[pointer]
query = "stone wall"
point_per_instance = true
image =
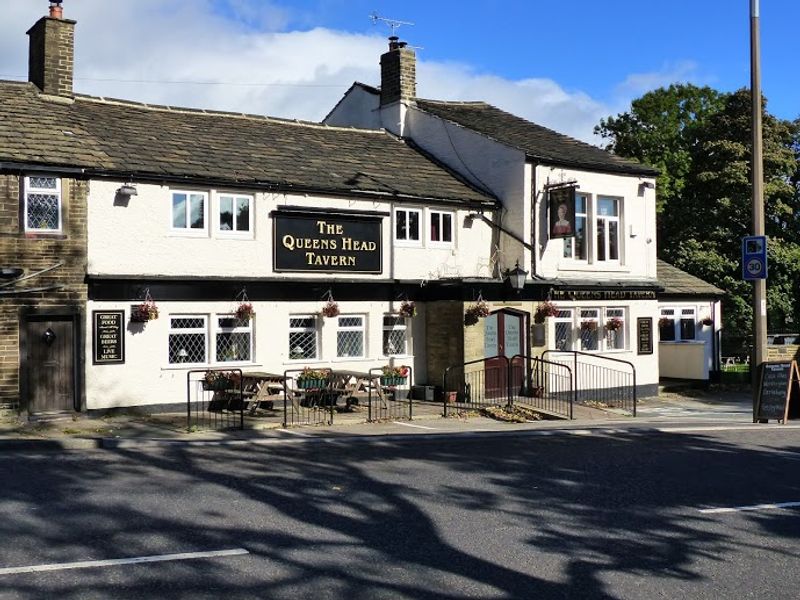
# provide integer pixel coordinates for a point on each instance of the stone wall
(783, 352)
(34, 252)
(444, 341)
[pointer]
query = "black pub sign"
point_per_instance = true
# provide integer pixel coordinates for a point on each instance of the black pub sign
(108, 335)
(327, 243)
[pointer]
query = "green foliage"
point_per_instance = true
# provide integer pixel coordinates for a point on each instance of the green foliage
(700, 139)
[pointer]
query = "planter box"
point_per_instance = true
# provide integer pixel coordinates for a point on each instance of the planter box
(220, 384)
(308, 384)
(387, 381)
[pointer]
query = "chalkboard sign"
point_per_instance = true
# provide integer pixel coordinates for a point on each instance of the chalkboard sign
(644, 335)
(108, 334)
(777, 382)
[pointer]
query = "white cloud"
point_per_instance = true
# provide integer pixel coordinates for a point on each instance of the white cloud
(124, 48)
(636, 84)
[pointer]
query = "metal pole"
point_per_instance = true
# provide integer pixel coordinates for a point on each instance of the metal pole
(759, 285)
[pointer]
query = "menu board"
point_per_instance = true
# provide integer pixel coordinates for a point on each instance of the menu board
(778, 382)
(644, 335)
(108, 335)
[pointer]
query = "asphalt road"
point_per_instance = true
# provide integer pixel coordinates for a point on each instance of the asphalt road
(569, 515)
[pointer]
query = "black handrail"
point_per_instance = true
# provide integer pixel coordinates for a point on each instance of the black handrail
(375, 373)
(539, 363)
(189, 394)
(461, 366)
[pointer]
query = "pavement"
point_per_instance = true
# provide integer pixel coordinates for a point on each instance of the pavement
(716, 405)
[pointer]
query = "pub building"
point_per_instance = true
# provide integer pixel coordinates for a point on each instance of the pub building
(133, 233)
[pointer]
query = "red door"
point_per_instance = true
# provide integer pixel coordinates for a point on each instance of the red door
(504, 337)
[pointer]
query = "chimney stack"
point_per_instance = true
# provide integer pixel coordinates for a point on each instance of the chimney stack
(398, 73)
(51, 53)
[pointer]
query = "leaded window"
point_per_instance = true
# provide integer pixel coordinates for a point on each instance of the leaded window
(564, 330)
(590, 325)
(350, 336)
(615, 328)
(303, 337)
(395, 335)
(234, 339)
(188, 339)
(42, 204)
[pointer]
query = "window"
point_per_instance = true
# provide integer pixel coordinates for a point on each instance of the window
(677, 324)
(303, 337)
(42, 204)
(441, 224)
(233, 339)
(407, 225)
(607, 228)
(235, 214)
(188, 339)
(615, 337)
(350, 336)
(395, 335)
(564, 329)
(590, 329)
(189, 211)
(576, 247)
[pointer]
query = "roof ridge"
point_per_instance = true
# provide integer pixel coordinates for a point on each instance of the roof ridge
(218, 113)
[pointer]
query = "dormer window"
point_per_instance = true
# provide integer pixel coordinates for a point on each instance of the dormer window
(42, 199)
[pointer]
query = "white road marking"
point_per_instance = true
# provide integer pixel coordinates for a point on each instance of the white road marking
(413, 425)
(751, 427)
(293, 432)
(86, 564)
(777, 505)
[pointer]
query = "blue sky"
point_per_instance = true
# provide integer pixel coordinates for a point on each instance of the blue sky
(562, 64)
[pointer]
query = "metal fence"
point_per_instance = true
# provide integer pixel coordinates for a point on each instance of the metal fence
(312, 404)
(541, 384)
(391, 399)
(214, 399)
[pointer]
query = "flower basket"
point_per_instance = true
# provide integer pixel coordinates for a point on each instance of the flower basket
(543, 310)
(665, 322)
(393, 381)
(331, 309)
(588, 325)
(394, 375)
(614, 324)
(479, 310)
(310, 384)
(144, 312)
(408, 309)
(707, 322)
(220, 380)
(312, 379)
(245, 311)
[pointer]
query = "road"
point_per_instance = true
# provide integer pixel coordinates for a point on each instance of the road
(587, 514)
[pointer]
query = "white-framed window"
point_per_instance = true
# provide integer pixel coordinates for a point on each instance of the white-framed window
(351, 336)
(233, 339)
(441, 227)
(408, 226)
(189, 212)
(235, 215)
(564, 329)
(590, 329)
(577, 247)
(188, 339)
(395, 335)
(677, 324)
(615, 337)
(303, 337)
(42, 199)
(607, 225)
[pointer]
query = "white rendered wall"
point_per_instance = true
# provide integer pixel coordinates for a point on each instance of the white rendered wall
(637, 227)
(147, 378)
(136, 239)
(358, 108)
(695, 358)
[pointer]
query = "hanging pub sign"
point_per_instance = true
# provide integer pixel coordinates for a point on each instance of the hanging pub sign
(108, 336)
(561, 202)
(327, 243)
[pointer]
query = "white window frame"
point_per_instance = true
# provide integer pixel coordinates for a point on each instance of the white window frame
(677, 314)
(29, 189)
(233, 233)
(400, 324)
(217, 329)
(315, 330)
(362, 329)
(203, 330)
(608, 315)
(189, 231)
(407, 241)
(566, 315)
(569, 243)
(429, 228)
(606, 238)
(573, 315)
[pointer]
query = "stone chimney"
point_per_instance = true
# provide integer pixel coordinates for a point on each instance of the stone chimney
(50, 58)
(398, 73)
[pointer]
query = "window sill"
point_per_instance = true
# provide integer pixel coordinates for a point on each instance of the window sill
(200, 366)
(189, 234)
(50, 235)
(227, 235)
(408, 244)
(681, 342)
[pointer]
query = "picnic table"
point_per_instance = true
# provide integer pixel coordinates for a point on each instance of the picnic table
(261, 389)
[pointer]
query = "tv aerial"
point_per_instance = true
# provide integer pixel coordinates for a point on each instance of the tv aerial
(393, 23)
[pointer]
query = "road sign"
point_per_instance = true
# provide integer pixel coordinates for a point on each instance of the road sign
(754, 257)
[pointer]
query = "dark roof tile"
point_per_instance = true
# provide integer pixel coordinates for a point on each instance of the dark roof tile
(680, 283)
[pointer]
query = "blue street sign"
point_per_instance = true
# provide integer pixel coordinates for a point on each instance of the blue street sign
(754, 257)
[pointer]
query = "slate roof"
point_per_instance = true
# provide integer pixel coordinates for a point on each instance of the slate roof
(128, 139)
(539, 143)
(680, 283)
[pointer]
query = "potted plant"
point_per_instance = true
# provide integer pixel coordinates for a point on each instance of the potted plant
(144, 312)
(614, 324)
(408, 308)
(707, 321)
(220, 380)
(543, 310)
(245, 311)
(331, 308)
(394, 375)
(474, 312)
(312, 378)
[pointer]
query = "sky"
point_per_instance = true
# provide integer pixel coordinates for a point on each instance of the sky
(565, 65)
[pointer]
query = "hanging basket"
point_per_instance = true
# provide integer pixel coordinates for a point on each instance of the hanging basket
(331, 309)
(144, 312)
(543, 310)
(245, 311)
(475, 312)
(407, 309)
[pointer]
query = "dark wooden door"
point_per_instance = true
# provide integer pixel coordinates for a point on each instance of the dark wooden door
(504, 335)
(50, 364)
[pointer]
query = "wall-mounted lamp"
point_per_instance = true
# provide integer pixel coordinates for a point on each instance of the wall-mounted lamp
(127, 190)
(516, 277)
(646, 185)
(11, 272)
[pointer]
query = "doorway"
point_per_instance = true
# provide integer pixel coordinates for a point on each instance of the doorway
(49, 360)
(504, 336)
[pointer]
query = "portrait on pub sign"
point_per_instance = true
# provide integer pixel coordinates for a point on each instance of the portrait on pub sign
(562, 212)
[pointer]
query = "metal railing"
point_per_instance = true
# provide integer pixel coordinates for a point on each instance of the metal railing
(475, 384)
(541, 384)
(392, 401)
(211, 405)
(312, 405)
(601, 384)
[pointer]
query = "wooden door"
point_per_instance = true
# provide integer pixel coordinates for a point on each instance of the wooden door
(504, 335)
(50, 364)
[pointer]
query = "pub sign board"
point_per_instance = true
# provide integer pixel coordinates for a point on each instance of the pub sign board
(327, 243)
(644, 335)
(562, 212)
(108, 336)
(777, 387)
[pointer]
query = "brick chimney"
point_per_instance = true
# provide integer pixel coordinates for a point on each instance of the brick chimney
(398, 73)
(50, 58)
